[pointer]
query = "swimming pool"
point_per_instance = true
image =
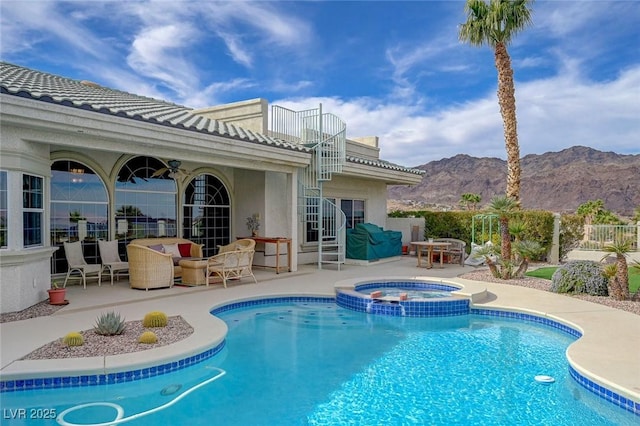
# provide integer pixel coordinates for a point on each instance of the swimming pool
(384, 297)
(317, 363)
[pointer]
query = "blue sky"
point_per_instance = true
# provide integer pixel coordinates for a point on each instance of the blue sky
(392, 69)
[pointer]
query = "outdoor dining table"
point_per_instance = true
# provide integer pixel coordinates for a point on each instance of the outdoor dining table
(430, 246)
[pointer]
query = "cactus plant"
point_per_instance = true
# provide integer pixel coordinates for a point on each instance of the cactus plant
(110, 324)
(148, 337)
(155, 319)
(73, 339)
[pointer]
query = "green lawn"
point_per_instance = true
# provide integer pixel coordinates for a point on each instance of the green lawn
(547, 272)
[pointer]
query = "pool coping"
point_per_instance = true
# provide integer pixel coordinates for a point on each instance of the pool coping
(210, 329)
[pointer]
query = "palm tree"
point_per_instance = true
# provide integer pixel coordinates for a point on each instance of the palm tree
(504, 207)
(620, 282)
(494, 24)
(470, 200)
(590, 210)
(527, 250)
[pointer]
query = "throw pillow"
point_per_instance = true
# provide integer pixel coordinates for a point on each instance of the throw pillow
(173, 249)
(185, 249)
(157, 247)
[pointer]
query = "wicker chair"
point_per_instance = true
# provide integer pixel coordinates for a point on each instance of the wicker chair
(76, 262)
(242, 244)
(149, 268)
(232, 263)
(111, 259)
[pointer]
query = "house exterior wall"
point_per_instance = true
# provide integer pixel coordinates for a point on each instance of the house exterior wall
(363, 147)
(24, 272)
(260, 173)
(374, 193)
(251, 114)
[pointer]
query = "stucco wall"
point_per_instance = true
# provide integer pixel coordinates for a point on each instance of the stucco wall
(24, 279)
(374, 193)
(24, 272)
(405, 225)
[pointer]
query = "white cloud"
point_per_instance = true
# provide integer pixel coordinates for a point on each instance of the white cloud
(169, 45)
(553, 114)
(156, 53)
(26, 24)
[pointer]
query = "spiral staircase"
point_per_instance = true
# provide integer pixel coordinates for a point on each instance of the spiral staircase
(325, 134)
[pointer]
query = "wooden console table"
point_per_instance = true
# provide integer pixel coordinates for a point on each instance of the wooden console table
(277, 241)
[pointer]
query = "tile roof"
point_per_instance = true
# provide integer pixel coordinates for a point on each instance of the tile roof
(384, 165)
(28, 83)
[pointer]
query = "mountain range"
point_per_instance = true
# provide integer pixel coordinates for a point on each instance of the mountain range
(554, 181)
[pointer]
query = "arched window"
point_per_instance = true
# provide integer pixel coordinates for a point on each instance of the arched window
(145, 206)
(207, 213)
(79, 205)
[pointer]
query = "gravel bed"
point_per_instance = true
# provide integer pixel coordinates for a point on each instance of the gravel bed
(38, 310)
(632, 306)
(97, 345)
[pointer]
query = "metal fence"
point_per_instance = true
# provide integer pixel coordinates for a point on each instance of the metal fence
(597, 237)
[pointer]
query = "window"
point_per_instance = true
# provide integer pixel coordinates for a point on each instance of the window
(79, 205)
(207, 213)
(354, 211)
(146, 205)
(4, 234)
(32, 210)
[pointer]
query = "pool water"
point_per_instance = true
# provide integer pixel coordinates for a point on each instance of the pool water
(411, 293)
(319, 364)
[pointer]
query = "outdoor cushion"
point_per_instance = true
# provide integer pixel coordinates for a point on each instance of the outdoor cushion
(172, 249)
(185, 249)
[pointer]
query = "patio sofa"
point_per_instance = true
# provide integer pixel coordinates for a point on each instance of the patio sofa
(155, 262)
(367, 241)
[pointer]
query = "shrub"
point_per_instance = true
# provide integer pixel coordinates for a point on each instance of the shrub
(73, 339)
(581, 276)
(109, 324)
(155, 319)
(571, 232)
(148, 337)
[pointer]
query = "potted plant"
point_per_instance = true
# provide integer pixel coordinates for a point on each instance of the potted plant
(57, 294)
(253, 224)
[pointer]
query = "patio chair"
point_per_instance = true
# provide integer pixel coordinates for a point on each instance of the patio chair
(111, 259)
(233, 264)
(75, 259)
(241, 244)
(149, 268)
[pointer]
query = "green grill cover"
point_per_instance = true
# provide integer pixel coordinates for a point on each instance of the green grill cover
(370, 242)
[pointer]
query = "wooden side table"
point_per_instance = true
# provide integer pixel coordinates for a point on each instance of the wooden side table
(277, 241)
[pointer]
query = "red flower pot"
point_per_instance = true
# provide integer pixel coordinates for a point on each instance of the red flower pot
(57, 296)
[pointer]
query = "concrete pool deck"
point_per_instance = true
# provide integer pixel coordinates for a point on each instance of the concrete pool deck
(608, 353)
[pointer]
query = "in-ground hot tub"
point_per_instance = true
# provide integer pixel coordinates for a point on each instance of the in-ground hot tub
(402, 297)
